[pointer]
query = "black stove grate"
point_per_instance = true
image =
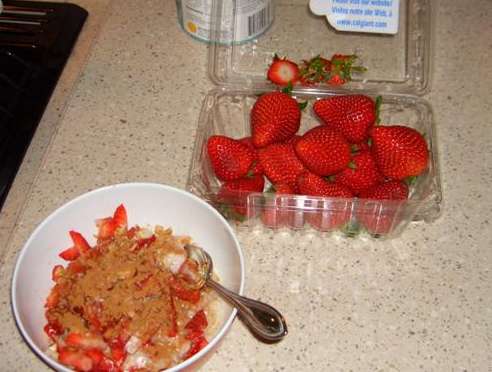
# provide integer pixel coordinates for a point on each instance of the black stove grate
(36, 39)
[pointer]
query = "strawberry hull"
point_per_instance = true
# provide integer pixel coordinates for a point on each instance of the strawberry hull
(227, 112)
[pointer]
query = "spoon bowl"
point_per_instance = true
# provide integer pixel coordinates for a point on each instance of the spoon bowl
(264, 321)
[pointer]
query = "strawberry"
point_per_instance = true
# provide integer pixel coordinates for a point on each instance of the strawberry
(353, 115)
(324, 215)
(400, 151)
(120, 217)
(84, 341)
(275, 213)
(106, 228)
(76, 359)
(236, 192)
(275, 117)
(361, 173)
(311, 184)
(57, 272)
(197, 344)
(323, 151)
(80, 246)
(256, 167)
(230, 158)
(280, 164)
(376, 217)
(198, 322)
(79, 242)
(282, 71)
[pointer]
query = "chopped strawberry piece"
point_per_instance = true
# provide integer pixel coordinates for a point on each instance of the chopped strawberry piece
(132, 231)
(199, 321)
(96, 355)
(183, 293)
(79, 242)
(53, 329)
(53, 298)
(120, 216)
(107, 227)
(84, 341)
(107, 365)
(118, 353)
(196, 345)
(142, 243)
(70, 254)
(76, 267)
(76, 359)
(57, 272)
(173, 330)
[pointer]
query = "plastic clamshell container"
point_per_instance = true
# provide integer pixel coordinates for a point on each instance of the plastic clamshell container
(398, 71)
(226, 112)
(395, 63)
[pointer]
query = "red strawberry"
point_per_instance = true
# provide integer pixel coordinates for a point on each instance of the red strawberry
(57, 272)
(352, 115)
(313, 185)
(230, 158)
(380, 217)
(84, 341)
(329, 214)
(275, 117)
(280, 164)
(256, 167)
(76, 359)
(361, 173)
(236, 192)
(276, 212)
(106, 228)
(79, 247)
(120, 217)
(399, 151)
(79, 242)
(323, 150)
(282, 71)
(198, 322)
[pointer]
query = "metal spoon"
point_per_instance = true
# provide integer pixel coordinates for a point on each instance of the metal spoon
(265, 322)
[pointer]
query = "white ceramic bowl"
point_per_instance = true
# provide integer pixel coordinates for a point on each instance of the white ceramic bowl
(146, 203)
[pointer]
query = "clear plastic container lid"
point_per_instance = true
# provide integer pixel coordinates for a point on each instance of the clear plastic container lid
(396, 63)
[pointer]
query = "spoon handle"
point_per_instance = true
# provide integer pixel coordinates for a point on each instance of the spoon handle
(263, 320)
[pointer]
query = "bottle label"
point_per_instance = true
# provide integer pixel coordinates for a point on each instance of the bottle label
(374, 16)
(240, 20)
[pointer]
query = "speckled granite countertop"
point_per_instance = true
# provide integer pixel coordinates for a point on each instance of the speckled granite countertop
(419, 302)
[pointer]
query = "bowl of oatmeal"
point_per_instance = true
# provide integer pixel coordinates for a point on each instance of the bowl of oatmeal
(102, 283)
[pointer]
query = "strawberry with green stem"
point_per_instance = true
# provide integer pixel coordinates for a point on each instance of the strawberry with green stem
(400, 152)
(230, 159)
(323, 151)
(352, 115)
(275, 117)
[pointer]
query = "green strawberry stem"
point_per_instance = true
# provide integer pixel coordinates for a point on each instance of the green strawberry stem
(288, 89)
(411, 181)
(303, 105)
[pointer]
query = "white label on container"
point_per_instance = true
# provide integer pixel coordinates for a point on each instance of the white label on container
(251, 17)
(376, 16)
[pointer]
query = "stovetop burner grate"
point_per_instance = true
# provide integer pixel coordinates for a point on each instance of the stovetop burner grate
(36, 39)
